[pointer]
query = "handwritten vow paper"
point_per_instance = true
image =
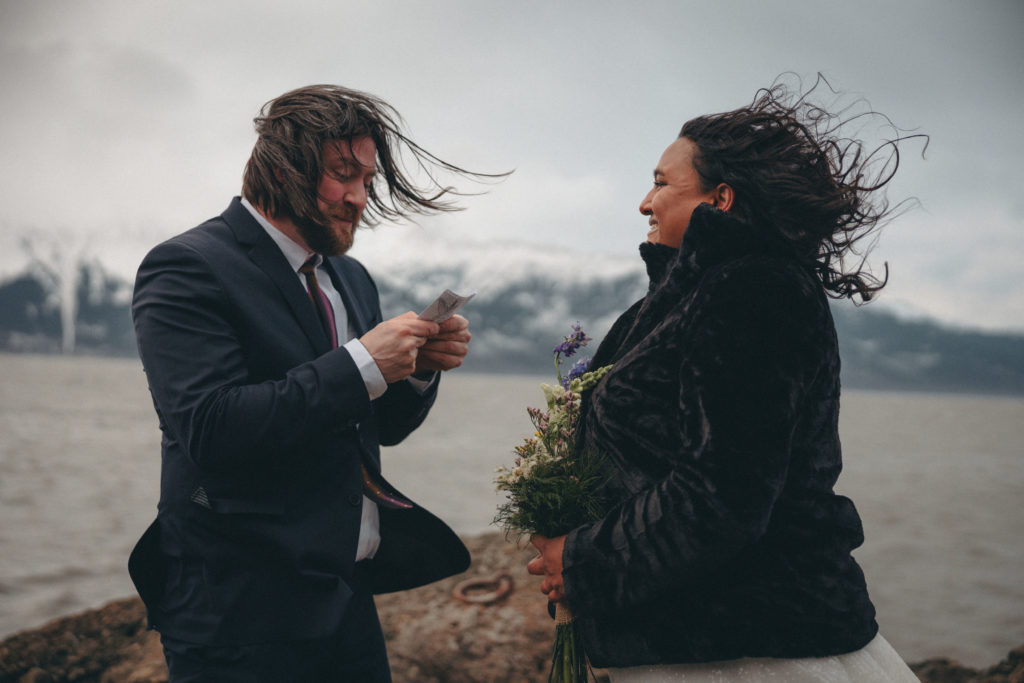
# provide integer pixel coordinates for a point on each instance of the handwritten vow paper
(445, 306)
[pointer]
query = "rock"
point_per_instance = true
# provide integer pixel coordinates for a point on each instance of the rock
(106, 645)
(432, 636)
(942, 670)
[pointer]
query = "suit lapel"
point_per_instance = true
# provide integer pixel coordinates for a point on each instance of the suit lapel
(357, 323)
(268, 257)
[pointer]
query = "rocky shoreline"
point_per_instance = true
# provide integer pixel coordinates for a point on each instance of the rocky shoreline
(433, 637)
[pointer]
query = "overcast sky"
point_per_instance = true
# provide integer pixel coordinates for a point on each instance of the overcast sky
(127, 122)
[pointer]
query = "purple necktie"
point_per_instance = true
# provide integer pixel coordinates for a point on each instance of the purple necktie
(324, 311)
(375, 488)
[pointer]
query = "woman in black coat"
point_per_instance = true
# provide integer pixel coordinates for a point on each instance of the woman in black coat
(727, 553)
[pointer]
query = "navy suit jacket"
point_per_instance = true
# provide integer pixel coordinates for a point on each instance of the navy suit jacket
(264, 428)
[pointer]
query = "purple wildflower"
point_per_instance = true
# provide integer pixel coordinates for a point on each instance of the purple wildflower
(569, 346)
(577, 370)
(572, 343)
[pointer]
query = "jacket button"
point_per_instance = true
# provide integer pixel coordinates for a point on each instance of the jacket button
(355, 499)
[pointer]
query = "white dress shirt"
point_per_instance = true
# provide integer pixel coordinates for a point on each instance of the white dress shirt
(297, 255)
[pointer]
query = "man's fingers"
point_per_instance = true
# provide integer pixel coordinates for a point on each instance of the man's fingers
(437, 362)
(462, 336)
(455, 323)
(421, 328)
(451, 348)
(446, 349)
(394, 344)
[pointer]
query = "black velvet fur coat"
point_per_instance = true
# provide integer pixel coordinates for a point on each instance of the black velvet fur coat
(719, 425)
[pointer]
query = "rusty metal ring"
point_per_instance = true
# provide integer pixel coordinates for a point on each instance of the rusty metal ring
(497, 588)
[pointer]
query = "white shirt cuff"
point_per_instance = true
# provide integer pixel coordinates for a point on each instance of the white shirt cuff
(421, 385)
(372, 378)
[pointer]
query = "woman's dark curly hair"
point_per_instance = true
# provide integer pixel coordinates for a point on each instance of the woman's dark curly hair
(286, 164)
(792, 170)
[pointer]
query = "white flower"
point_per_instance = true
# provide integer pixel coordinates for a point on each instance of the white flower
(552, 394)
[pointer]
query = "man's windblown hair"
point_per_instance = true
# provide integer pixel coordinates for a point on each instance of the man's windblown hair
(286, 165)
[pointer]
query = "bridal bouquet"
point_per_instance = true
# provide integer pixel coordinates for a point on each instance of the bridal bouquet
(553, 487)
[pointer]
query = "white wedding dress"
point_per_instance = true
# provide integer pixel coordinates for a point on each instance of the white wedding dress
(876, 662)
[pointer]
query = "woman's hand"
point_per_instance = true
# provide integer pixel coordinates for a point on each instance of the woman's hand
(549, 565)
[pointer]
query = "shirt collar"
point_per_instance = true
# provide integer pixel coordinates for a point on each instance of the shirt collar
(294, 253)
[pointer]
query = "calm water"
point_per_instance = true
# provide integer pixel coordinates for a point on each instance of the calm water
(938, 480)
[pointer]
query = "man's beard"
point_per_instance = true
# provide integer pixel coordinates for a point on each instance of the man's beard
(321, 238)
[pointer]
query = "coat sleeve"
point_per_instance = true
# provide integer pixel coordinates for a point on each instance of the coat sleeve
(402, 408)
(751, 348)
(187, 329)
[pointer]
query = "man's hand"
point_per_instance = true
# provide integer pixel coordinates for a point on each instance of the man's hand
(446, 349)
(395, 344)
(549, 565)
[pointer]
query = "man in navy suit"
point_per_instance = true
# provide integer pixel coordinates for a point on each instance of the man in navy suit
(276, 380)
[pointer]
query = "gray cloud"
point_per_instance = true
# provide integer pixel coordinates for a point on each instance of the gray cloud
(132, 121)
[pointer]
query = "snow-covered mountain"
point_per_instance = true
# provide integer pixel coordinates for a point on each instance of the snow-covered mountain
(528, 296)
(526, 299)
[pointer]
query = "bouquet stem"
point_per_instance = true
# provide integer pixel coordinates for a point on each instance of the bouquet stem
(568, 660)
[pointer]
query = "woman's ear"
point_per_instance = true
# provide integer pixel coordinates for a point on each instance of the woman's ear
(723, 197)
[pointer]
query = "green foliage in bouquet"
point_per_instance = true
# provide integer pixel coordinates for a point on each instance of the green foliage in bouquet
(554, 487)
